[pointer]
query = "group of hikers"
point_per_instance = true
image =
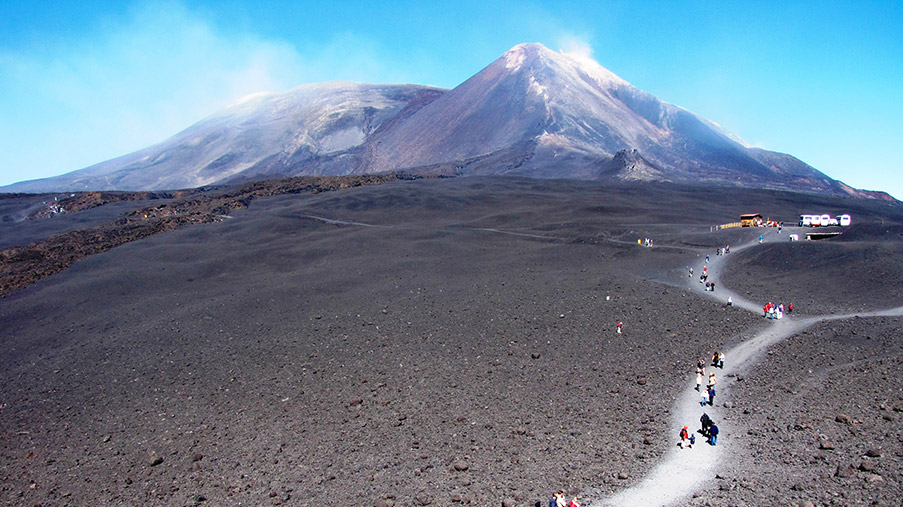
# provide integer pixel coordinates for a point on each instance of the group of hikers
(707, 397)
(558, 499)
(772, 311)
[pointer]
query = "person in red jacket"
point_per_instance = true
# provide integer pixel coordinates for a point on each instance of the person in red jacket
(684, 435)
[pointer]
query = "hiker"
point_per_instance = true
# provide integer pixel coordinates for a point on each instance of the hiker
(691, 271)
(713, 434)
(703, 398)
(721, 360)
(698, 379)
(715, 360)
(707, 285)
(730, 301)
(711, 388)
(713, 286)
(619, 327)
(706, 423)
(561, 501)
(790, 308)
(700, 366)
(574, 503)
(692, 440)
(761, 238)
(706, 259)
(684, 436)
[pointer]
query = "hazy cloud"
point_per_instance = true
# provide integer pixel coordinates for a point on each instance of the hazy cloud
(138, 79)
(570, 43)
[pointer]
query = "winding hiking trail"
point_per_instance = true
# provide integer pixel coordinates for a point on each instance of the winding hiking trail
(683, 472)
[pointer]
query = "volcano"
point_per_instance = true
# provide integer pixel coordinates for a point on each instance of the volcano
(533, 112)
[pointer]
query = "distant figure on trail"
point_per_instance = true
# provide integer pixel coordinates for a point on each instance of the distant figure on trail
(691, 272)
(715, 360)
(711, 388)
(790, 308)
(703, 398)
(713, 287)
(713, 434)
(698, 379)
(730, 301)
(706, 423)
(700, 366)
(706, 259)
(684, 436)
(761, 238)
(574, 503)
(708, 285)
(619, 327)
(721, 360)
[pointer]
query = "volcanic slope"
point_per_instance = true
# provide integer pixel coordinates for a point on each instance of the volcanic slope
(425, 341)
(532, 112)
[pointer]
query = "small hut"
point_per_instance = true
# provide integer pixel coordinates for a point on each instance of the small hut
(751, 220)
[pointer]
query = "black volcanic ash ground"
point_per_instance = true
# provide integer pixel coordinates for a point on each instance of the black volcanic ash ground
(435, 357)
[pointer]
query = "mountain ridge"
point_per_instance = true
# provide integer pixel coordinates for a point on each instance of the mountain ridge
(531, 112)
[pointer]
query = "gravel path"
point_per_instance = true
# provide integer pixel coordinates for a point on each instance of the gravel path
(682, 472)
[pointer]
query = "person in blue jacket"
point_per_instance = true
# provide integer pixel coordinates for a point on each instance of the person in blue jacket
(713, 434)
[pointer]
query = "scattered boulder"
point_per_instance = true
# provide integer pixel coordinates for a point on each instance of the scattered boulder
(508, 502)
(623, 476)
(423, 499)
(867, 466)
(154, 459)
(844, 471)
(873, 453)
(843, 419)
(385, 503)
(460, 466)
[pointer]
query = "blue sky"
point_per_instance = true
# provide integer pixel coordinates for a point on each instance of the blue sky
(83, 82)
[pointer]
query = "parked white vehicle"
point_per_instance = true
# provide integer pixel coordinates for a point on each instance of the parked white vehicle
(824, 220)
